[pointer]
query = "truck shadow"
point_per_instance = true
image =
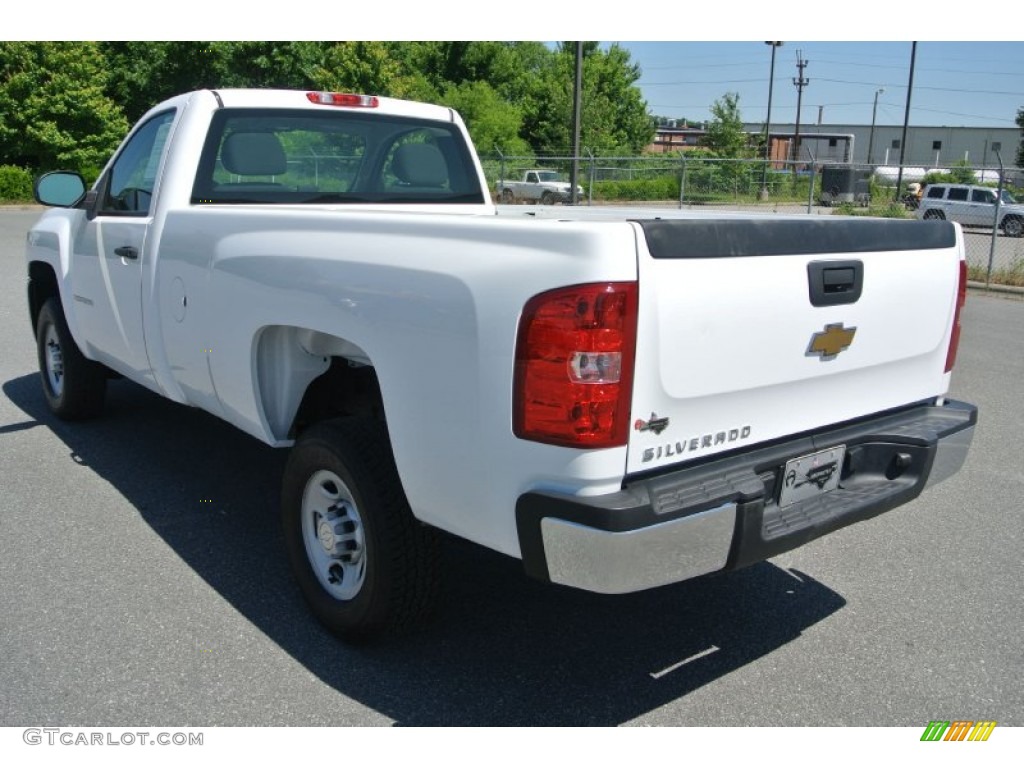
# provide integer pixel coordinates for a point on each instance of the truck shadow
(505, 650)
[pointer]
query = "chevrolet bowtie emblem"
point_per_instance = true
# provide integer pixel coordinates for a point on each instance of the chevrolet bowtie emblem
(830, 342)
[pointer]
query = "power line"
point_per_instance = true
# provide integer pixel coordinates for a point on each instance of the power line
(919, 69)
(832, 105)
(894, 86)
(702, 64)
(702, 82)
(924, 87)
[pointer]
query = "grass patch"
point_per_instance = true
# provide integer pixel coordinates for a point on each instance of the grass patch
(1013, 275)
(888, 210)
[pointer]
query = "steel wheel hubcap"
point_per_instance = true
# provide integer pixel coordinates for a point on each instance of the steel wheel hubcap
(54, 362)
(333, 534)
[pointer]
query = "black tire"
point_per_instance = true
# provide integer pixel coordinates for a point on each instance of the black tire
(74, 386)
(1013, 226)
(375, 570)
(547, 198)
(933, 214)
(507, 197)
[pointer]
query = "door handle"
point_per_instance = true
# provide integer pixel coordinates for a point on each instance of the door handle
(127, 252)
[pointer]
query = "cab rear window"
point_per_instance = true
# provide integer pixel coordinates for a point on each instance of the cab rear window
(306, 157)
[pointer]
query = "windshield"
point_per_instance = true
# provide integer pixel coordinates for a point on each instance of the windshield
(1007, 198)
(548, 176)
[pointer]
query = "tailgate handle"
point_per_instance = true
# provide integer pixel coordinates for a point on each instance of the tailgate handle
(838, 280)
(831, 283)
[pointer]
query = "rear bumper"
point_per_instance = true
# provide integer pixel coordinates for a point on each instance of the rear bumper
(723, 514)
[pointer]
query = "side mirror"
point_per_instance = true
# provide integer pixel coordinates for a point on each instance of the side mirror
(63, 189)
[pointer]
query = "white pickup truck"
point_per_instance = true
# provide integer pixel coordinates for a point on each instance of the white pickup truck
(619, 399)
(538, 186)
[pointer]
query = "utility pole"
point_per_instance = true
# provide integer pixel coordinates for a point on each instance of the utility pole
(800, 82)
(577, 112)
(906, 121)
(768, 121)
(871, 136)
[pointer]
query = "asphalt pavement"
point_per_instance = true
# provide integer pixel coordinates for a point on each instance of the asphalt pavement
(143, 582)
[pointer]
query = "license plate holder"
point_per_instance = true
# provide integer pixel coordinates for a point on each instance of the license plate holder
(812, 475)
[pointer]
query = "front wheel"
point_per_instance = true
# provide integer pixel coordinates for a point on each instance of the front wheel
(364, 564)
(73, 385)
(933, 214)
(548, 198)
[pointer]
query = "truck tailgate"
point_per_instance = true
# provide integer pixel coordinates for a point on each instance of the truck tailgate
(755, 329)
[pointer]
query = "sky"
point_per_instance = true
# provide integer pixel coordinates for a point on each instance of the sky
(955, 83)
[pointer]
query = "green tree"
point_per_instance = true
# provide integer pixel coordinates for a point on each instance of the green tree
(142, 74)
(1020, 147)
(70, 103)
(368, 67)
(615, 116)
(273, 65)
(727, 141)
(54, 111)
(614, 106)
(962, 172)
(725, 135)
(492, 122)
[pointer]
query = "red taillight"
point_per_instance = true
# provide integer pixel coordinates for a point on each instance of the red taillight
(954, 337)
(342, 99)
(574, 366)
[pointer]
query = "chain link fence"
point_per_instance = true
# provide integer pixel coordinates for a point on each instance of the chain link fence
(702, 183)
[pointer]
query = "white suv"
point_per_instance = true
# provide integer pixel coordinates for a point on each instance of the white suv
(972, 206)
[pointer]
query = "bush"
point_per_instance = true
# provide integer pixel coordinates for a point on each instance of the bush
(659, 188)
(15, 184)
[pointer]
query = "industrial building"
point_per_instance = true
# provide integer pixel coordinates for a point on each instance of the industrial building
(927, 146)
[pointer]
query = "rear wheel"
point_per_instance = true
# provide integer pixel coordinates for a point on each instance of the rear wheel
(364, 564)
(933, 214)
(1013, 226)
(507, 196)
(73, 385)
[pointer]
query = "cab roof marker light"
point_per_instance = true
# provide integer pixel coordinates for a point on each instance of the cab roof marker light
(342, 99)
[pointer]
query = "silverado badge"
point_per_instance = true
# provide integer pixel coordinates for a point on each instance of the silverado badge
(829, 343)
(655, 425)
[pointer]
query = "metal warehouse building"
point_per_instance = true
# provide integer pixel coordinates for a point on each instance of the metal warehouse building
(927, 146)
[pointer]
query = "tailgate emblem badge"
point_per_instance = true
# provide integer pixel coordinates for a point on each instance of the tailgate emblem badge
(655, 425)
(829, 343)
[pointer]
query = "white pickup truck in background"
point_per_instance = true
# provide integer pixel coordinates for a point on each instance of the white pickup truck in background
(538, 186)
(619, 399)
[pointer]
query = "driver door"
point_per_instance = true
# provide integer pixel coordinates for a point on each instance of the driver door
(107, 261)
